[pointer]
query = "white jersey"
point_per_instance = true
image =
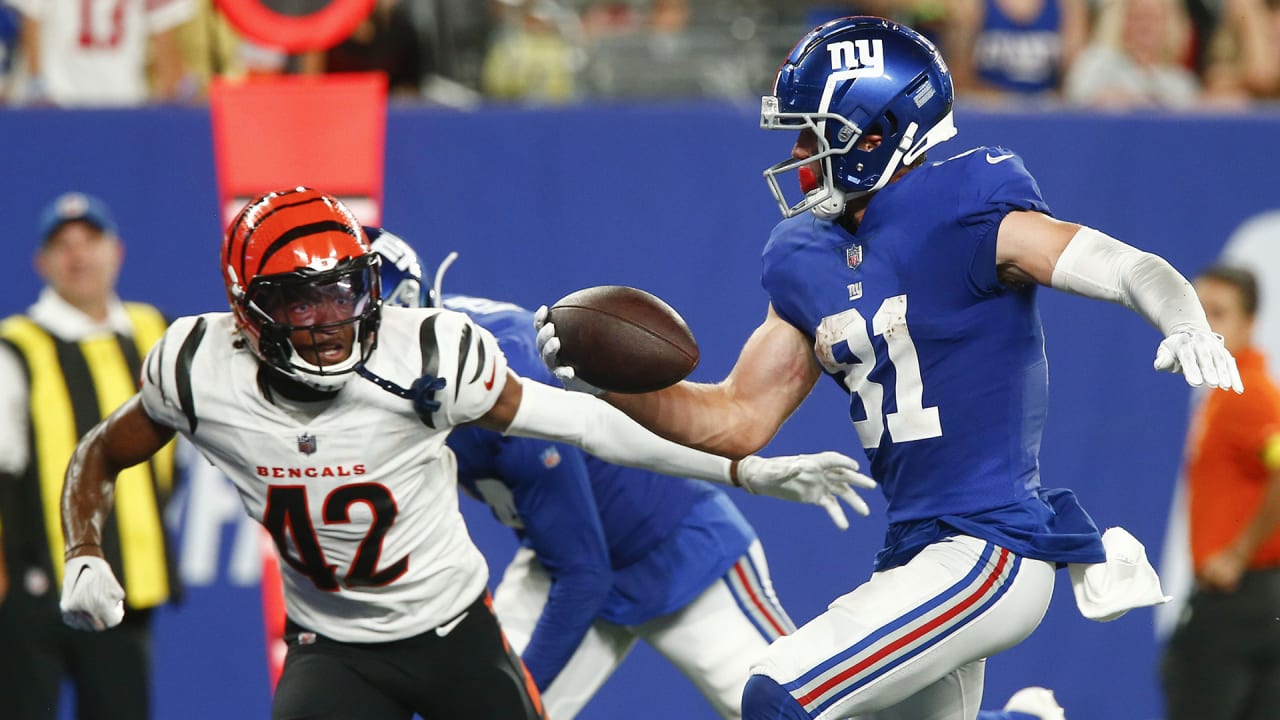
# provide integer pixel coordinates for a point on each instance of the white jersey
(94, 52)
(361, 497)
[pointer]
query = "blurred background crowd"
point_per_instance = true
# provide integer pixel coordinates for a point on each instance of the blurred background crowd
(1108, 54)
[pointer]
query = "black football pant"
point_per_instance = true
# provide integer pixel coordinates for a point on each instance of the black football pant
(470, 673)
(1223, 661)
(109, 670)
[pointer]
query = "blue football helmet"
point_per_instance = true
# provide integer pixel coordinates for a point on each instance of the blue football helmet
(403, 277)
(848, 78)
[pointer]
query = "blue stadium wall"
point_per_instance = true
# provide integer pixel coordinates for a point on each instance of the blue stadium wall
(670, 199)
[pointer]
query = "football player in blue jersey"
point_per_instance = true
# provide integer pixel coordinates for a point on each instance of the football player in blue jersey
(913, 284)
(609, 555)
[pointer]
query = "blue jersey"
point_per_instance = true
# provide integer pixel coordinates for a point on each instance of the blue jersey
(622, 544)
(1022, 57)
(944, 364)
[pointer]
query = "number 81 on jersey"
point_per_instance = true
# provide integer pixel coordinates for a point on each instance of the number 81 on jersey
(843, 345)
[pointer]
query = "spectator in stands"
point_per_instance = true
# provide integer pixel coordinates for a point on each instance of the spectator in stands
(614, 17)
(1242, 57)
(1134, 58)
(65, 364)
(210, 47)
(386, 42)
(1003, 49)
(1223, 660)
(533, 57)
(83, 53)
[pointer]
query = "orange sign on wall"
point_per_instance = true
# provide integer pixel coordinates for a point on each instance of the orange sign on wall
(326, 132)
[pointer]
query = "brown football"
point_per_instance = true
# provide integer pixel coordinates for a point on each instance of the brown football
(622, 339)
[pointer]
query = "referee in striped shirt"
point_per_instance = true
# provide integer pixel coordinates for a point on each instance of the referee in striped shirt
(65, 364)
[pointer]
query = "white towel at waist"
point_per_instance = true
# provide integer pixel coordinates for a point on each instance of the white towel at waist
(1105, 591)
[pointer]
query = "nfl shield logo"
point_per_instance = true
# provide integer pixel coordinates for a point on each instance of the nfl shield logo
(306, 443)
(854, 255)
(550, 457)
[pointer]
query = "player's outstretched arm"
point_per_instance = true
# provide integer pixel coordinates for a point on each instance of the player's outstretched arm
(775, 372)
(1077, 259)
(531, 409)
(92, 598)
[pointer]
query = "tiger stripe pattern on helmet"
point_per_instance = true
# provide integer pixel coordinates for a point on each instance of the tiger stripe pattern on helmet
(285, 218)
(295, 236)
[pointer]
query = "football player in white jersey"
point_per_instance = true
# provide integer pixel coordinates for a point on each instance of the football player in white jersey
(329, 413)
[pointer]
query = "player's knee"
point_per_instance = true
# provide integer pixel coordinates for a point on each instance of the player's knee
(764, 699)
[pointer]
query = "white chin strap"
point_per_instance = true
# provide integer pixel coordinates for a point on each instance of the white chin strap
(323, 383)
(334, 377)
(832, 206)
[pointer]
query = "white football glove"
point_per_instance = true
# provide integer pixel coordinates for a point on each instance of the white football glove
(92, 599)
(548, 346)
(818, 479)
(1201, 357)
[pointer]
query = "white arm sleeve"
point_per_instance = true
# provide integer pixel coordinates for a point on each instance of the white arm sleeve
(604, 431)
(1098, 266)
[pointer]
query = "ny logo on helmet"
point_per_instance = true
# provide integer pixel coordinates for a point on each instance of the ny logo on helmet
(864, 56)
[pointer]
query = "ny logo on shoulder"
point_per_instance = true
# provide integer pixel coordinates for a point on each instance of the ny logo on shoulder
(864, 58)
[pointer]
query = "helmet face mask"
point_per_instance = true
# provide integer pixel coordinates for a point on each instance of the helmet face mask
(847, 80)
(304, 286)
(826, 195)
(305, 320)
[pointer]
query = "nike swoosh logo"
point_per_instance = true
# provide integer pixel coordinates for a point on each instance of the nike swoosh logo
(493, 375)
(448, 627)
(997, 159)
